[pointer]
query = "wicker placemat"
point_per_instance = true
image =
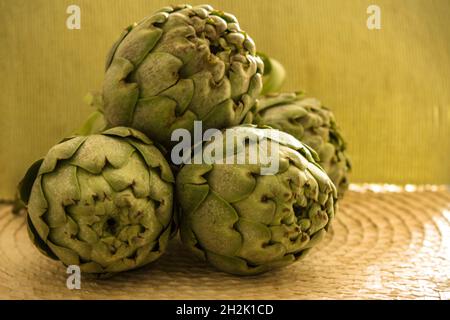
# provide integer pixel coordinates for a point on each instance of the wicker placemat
(386, 243)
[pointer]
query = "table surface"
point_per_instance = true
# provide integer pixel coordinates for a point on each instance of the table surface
(386, 242)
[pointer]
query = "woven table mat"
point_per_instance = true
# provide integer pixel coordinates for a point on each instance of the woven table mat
(386, 243)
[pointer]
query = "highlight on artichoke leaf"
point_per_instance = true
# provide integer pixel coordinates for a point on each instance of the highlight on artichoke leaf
(313, 124)
(246, 223)
(179, 65)
(103, 202)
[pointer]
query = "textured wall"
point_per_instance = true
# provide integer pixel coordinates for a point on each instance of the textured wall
(390, 88)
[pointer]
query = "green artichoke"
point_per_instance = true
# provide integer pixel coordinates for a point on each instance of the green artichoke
(179, 65)
(310, 122)
(103, 202)
(246, 223)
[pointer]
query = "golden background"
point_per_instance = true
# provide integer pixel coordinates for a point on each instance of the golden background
(389, 88)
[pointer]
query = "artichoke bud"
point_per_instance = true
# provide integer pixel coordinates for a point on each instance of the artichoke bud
(313, 124)
(180, 65)
(103, 202)
(246, 221)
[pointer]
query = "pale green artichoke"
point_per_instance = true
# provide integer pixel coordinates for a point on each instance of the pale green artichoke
(103, 202)
(246, 223)
(179, 65)
(313, 124)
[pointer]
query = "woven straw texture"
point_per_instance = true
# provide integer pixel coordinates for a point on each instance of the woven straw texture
(386, 243)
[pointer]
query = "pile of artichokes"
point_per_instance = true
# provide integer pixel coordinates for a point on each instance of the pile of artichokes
(109, 198)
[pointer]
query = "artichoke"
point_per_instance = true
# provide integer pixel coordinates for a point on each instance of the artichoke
(179, 65)
(103, 202)
(313, 124)
(246, 223)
